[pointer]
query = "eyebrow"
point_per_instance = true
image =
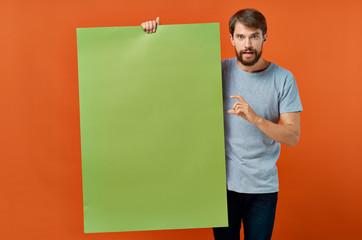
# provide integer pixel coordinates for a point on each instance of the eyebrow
(256, 33)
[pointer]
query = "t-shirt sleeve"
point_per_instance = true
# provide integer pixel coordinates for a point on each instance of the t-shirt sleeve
(290, 100)
(224, 63)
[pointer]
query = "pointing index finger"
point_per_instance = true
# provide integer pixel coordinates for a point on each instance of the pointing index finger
(237, 97)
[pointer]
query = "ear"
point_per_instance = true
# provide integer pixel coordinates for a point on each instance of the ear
(265, 37)
(232, 40)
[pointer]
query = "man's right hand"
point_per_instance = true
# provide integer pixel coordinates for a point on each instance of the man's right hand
(150, 26)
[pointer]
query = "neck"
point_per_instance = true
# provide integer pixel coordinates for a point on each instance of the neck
(259, 66)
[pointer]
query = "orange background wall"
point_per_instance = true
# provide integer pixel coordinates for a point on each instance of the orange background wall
(40, 180)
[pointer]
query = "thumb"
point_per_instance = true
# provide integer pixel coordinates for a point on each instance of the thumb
(158, 21)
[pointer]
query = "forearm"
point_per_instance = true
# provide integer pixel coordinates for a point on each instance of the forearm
(286, 133)
(282, 133)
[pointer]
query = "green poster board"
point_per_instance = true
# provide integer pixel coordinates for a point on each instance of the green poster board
(151, 119)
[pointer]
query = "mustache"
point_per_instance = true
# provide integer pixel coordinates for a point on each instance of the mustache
(248, 50)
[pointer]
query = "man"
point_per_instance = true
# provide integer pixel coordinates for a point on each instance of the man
(257, 95)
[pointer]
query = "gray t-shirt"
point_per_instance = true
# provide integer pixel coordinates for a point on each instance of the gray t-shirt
(251, 156)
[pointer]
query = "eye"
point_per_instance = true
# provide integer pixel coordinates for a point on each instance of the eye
(254, 36)
(240, 37)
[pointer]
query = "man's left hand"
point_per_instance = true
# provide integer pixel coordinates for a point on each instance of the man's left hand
(242, 109)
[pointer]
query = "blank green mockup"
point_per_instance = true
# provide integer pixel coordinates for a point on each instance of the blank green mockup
(152, 133)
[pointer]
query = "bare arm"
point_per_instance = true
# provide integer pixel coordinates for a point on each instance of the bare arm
(285, 133)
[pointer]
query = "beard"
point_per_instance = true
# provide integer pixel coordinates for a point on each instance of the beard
(251, 62)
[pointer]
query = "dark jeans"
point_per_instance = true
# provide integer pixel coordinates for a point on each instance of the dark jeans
(256, 211)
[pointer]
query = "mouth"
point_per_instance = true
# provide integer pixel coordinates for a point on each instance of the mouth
(248, 53)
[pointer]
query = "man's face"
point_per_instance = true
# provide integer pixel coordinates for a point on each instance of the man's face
(248, 43)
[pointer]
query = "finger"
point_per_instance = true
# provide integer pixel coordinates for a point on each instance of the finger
(237, 108)
(150, 30)
(239, 112)
(153, 26)
(237, 97)
(143, 26)
(158, 21)
(236, 104)
(232, 112)
(149, 26)
(146, 27)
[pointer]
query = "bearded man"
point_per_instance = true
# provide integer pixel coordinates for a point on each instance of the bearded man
(258, 95)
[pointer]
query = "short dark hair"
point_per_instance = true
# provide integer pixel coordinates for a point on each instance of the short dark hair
(249, 17)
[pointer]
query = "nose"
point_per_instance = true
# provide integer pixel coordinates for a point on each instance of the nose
(247, 43)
